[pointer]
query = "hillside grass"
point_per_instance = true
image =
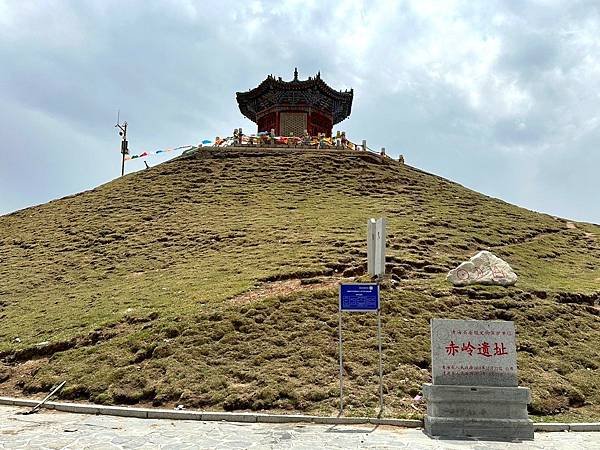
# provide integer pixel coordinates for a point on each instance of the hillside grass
(209, 281)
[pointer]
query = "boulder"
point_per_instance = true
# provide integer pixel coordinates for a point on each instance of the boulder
(483, 268)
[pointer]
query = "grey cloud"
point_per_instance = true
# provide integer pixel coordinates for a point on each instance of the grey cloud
(530, 52)
(516, 132)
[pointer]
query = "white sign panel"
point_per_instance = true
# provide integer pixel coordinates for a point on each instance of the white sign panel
(376, 247)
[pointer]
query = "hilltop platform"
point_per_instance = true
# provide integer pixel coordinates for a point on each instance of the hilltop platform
(285, 150)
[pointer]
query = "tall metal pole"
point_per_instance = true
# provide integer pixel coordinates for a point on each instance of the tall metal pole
(380, 362)
(341, 363)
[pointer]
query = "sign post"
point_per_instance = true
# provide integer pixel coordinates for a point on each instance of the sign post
(124, 148)
(380, 362)
(359, 297)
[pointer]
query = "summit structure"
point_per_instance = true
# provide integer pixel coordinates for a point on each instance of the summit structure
(295, 107)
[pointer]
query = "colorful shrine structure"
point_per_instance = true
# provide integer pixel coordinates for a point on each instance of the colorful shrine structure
(297, 107)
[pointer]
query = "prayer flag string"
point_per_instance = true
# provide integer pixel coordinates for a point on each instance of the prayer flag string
(158, 152)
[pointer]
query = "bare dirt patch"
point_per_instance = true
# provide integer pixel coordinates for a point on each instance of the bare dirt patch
(286, 287)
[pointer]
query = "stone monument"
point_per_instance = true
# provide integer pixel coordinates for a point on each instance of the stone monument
(475, 391)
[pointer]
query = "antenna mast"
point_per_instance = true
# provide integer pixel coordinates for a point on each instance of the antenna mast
(123, 134)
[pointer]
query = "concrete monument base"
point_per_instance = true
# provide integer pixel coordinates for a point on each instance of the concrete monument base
(484, 412)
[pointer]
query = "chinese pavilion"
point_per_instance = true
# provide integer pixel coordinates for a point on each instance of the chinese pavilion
(291, 107)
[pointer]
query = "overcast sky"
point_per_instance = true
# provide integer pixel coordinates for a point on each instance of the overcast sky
(502, 97)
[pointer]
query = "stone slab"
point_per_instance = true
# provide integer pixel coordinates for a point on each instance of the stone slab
(21, 402)
(280, 418)
(585, 427)
(486, 394)
(407, 423)
(78, 408)
(551, 426)
(485, 429)
(123, 411)
(477, 402)
(473, 352)
(341, 420)
(230, 417)
(174, 415)
(484, 412)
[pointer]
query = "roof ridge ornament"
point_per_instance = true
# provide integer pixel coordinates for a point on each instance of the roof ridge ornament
(295, 74)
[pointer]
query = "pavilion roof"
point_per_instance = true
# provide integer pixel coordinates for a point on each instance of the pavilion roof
(312, 92)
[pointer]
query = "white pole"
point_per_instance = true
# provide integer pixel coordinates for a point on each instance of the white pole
(341, 362)
(380, 362)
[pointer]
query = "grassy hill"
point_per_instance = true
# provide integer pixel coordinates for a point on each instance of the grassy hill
(211, 281)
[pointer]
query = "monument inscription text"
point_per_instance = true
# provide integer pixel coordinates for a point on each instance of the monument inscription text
(473, 352)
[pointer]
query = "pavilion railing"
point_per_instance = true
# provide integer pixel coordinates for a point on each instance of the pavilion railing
(338, 142)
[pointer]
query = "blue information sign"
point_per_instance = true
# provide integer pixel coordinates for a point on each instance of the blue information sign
(361, 297)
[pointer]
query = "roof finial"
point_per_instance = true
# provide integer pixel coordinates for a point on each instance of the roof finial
(319, 74)
(295, 74)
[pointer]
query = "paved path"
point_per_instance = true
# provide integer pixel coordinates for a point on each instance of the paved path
(58, 430)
